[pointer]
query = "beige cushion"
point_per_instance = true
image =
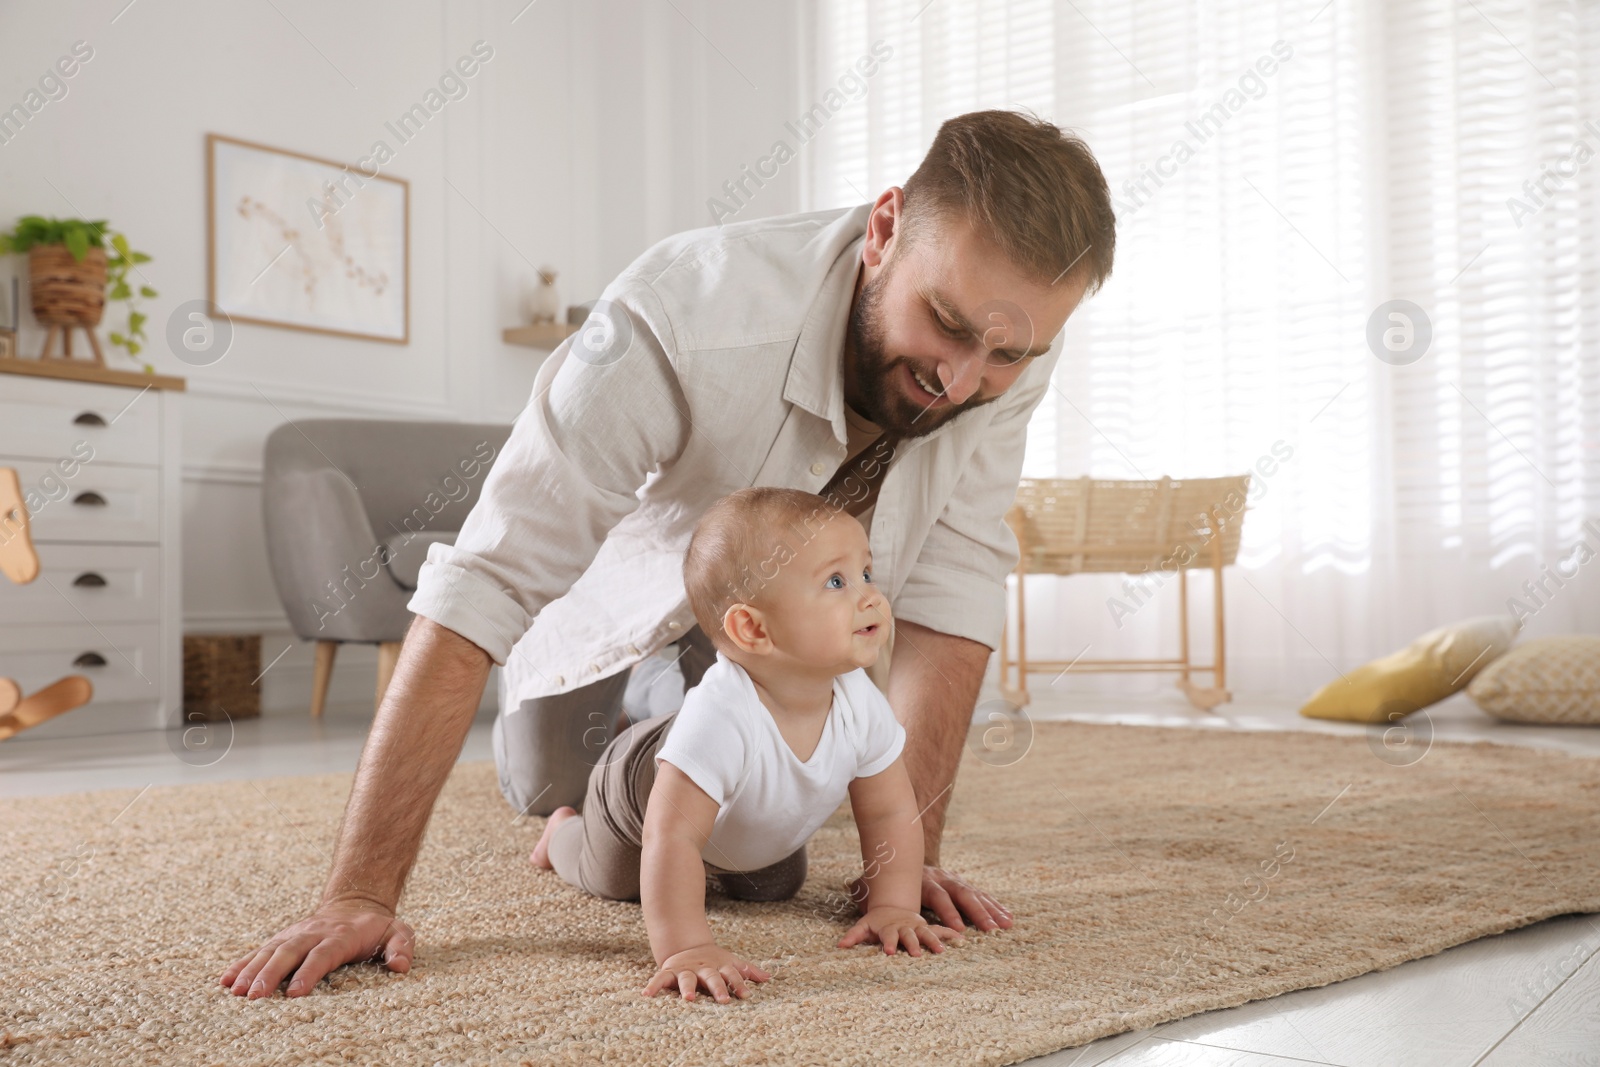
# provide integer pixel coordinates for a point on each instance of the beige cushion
(1438, 663)
(1549, 679)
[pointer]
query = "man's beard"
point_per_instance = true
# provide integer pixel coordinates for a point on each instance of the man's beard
(872, 377)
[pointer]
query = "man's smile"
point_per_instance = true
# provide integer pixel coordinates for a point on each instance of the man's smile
(925, 391)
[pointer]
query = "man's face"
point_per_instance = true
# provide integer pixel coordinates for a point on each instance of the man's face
(951, 311)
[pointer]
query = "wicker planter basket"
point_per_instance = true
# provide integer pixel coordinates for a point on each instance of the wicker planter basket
(218, 672)
(66, 292)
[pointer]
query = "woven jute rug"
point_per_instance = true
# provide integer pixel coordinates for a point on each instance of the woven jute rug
(1153, 873)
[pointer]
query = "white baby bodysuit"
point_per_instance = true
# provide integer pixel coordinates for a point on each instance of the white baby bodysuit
(770, 803)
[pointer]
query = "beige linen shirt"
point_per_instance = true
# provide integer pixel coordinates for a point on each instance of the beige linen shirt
(569, 568)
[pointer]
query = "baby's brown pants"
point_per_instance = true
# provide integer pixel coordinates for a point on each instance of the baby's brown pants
(600, 850)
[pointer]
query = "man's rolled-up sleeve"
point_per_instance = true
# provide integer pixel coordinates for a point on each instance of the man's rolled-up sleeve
(957, 584)
(594, 430)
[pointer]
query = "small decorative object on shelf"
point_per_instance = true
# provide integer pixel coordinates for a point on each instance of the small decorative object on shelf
(68, 270)
(544, 300)
(546, 335)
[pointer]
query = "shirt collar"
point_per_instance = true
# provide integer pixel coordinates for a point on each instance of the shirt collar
(816, 373)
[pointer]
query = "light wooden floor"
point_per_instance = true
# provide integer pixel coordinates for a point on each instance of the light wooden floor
(1524, 998)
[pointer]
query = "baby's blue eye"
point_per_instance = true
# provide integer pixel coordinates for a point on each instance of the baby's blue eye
(867, 574)
(832, 577)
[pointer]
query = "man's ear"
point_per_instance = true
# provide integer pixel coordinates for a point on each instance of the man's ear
(746, 628)
(883, 226)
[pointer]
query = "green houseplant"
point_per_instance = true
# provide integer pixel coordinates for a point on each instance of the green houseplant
(73, 292)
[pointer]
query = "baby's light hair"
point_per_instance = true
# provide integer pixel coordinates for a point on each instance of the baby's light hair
(740, 543)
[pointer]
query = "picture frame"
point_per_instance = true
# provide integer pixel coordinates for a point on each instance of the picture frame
(305, 243)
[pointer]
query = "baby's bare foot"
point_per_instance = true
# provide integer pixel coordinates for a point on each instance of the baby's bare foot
(541, 852)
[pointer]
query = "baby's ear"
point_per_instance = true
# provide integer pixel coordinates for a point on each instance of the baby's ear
(743, 625)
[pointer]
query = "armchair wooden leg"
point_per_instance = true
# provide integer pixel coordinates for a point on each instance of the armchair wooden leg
(322, 672)
(1023, 697)
(1005, 655)
(388, 656)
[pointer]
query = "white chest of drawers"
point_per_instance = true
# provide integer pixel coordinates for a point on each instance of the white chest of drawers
(97, 454)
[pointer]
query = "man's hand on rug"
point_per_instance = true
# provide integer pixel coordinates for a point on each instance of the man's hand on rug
(706, 965)
(333, 935)
(953, 900)
(893, 927)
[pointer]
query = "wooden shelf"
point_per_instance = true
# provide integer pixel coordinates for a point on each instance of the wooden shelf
(83, 370)
(546, 335)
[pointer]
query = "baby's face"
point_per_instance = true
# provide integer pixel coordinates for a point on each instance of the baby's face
(825, 609)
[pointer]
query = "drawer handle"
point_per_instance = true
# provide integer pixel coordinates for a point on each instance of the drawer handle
(90, 659)
(89, 499)
(88, 418)
(89, 580)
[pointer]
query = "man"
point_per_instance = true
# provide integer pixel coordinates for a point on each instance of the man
(723, 358)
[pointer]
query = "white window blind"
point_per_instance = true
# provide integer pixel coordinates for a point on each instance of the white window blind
(1280, 171)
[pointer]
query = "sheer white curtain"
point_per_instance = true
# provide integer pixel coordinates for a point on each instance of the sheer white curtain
(1282, 172)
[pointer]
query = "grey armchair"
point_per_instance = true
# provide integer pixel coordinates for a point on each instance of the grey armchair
(351, 507)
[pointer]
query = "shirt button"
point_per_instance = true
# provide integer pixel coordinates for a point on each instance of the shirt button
(561, 679)
(818, 468)
(633, 650)
(595, 667)
(673, 625)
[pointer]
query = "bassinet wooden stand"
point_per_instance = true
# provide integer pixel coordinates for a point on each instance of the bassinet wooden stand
(1155, 528)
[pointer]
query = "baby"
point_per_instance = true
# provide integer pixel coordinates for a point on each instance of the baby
(780, 729)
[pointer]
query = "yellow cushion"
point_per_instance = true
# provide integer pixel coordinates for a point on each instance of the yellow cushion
(1438, 663)
(1550, 679)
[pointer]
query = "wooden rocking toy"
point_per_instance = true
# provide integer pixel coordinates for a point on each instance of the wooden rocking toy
(20, 563)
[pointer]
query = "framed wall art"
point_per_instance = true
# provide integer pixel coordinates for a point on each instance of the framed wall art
(307, 243)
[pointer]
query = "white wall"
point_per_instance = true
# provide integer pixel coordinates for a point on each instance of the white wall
(595, 129)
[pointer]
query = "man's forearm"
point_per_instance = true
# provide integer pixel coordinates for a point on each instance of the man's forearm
(415, 739)
(933, 687)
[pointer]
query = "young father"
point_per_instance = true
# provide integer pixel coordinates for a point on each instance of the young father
(886, 356)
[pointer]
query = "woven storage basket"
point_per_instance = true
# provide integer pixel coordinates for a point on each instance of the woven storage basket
(1087, 525)
(218, 676)
(65, 292)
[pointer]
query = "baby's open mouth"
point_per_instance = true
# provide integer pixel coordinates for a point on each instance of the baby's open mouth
(867, 629)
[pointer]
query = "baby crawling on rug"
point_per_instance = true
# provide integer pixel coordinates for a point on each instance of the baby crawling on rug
(780, 729)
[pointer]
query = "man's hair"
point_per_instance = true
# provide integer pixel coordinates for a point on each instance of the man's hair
(741, 542)
(1025, 184)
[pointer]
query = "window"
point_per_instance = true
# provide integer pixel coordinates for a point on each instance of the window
(1282, 173)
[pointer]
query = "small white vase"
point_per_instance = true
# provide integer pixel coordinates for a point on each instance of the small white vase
(544, 300)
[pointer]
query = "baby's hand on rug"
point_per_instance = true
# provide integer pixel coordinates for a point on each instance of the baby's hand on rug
(892, 927)
(706, 965)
